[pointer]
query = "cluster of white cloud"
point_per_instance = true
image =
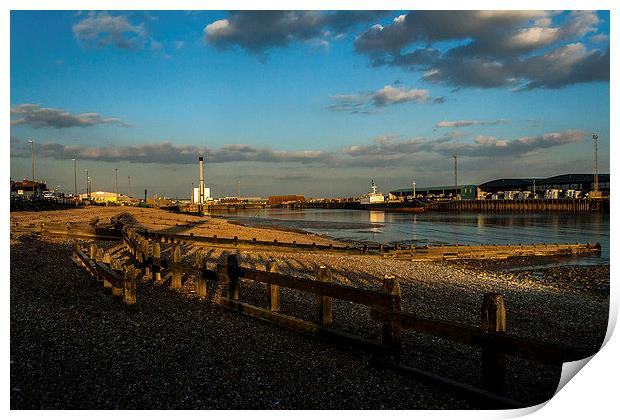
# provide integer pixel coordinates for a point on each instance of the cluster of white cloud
(99, 29)
(519, 49)
(258, 31)
(383, 150)
(38, 117)
(367, 102)
(167, 152)
(468, 123)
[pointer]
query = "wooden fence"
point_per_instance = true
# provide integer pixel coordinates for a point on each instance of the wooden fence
(384, 305)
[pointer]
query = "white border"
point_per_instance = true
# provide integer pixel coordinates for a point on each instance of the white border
(591, 394)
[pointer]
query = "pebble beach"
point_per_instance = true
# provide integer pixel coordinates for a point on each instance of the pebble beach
(72, 347)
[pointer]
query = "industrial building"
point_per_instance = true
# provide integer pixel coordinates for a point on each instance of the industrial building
(559, 186)
(465, 192)
(27, 188)
(100, 197)
(282, 199)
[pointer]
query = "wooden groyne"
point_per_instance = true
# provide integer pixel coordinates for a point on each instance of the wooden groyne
(520, 206)
(490, 252)
(383, 301)
(409, 252)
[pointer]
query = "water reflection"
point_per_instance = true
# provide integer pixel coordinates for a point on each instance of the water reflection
(438, 228)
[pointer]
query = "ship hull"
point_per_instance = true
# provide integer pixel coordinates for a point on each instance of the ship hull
(406, 207)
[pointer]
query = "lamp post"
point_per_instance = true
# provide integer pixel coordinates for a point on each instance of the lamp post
(595, 138)
(456, 180)
(87, 178)
(116, 180)
(75, 177)
(32, 155)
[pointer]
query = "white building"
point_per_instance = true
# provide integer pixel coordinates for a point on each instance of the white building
(207, 197)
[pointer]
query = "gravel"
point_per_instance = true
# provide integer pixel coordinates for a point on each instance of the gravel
(72, 347)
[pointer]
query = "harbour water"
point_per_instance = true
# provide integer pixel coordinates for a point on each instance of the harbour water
(441, 228)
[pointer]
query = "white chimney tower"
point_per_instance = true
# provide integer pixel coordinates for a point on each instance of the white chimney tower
(201, 186)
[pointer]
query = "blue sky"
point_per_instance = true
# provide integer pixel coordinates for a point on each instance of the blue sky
(316, 103)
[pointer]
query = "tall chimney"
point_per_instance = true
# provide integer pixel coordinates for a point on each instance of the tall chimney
(201, 186)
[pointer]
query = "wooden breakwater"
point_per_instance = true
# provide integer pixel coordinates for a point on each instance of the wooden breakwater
(490, 252)
(383, 301)
(520, 206)
(409, 252)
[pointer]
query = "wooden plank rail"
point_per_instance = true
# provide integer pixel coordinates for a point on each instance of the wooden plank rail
(385, 309)
(333, 290)
(121, 286)
(474, 336)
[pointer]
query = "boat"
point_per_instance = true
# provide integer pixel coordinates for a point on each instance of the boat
(374, 200)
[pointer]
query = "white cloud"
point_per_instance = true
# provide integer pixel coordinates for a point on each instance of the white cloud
(36, 116)
(100, 29)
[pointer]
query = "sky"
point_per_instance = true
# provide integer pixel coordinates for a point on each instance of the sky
(306, 102)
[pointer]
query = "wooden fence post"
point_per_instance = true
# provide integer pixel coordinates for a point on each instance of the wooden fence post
(99, 255)
(493, 320)
(273, 291)
(92, 251)
(147, 253)
(324, 303)
(201, 279)
(129, 285)
(177, 274)
(391, 330)
(233, 276)
(156, 262)
(106, 258)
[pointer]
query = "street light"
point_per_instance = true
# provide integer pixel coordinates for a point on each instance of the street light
(87, 178)
(32, 154)
(75, 176)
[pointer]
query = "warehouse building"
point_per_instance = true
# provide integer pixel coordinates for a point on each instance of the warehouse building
(559, 186)
(465, 192)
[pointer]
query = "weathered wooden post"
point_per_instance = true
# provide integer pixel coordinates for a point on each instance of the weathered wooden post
(493, 320)
(156, 262)
(324, 303)
(391, 329)
(99, 255)
(147, 262)
(129, 285)
(201, 279)
(232, 263)
(273, 291)
(106, 258)
(177, 274)
(92, 251)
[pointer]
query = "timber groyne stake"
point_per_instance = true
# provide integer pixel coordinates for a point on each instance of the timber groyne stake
(156, 262)
(391, 329)
(233, 276)
(129, 285)
(324, 303)
(493, 320)
(201, 278)
(272, 290)
(177, 274)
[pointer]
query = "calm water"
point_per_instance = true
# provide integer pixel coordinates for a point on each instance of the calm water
(438, 228)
